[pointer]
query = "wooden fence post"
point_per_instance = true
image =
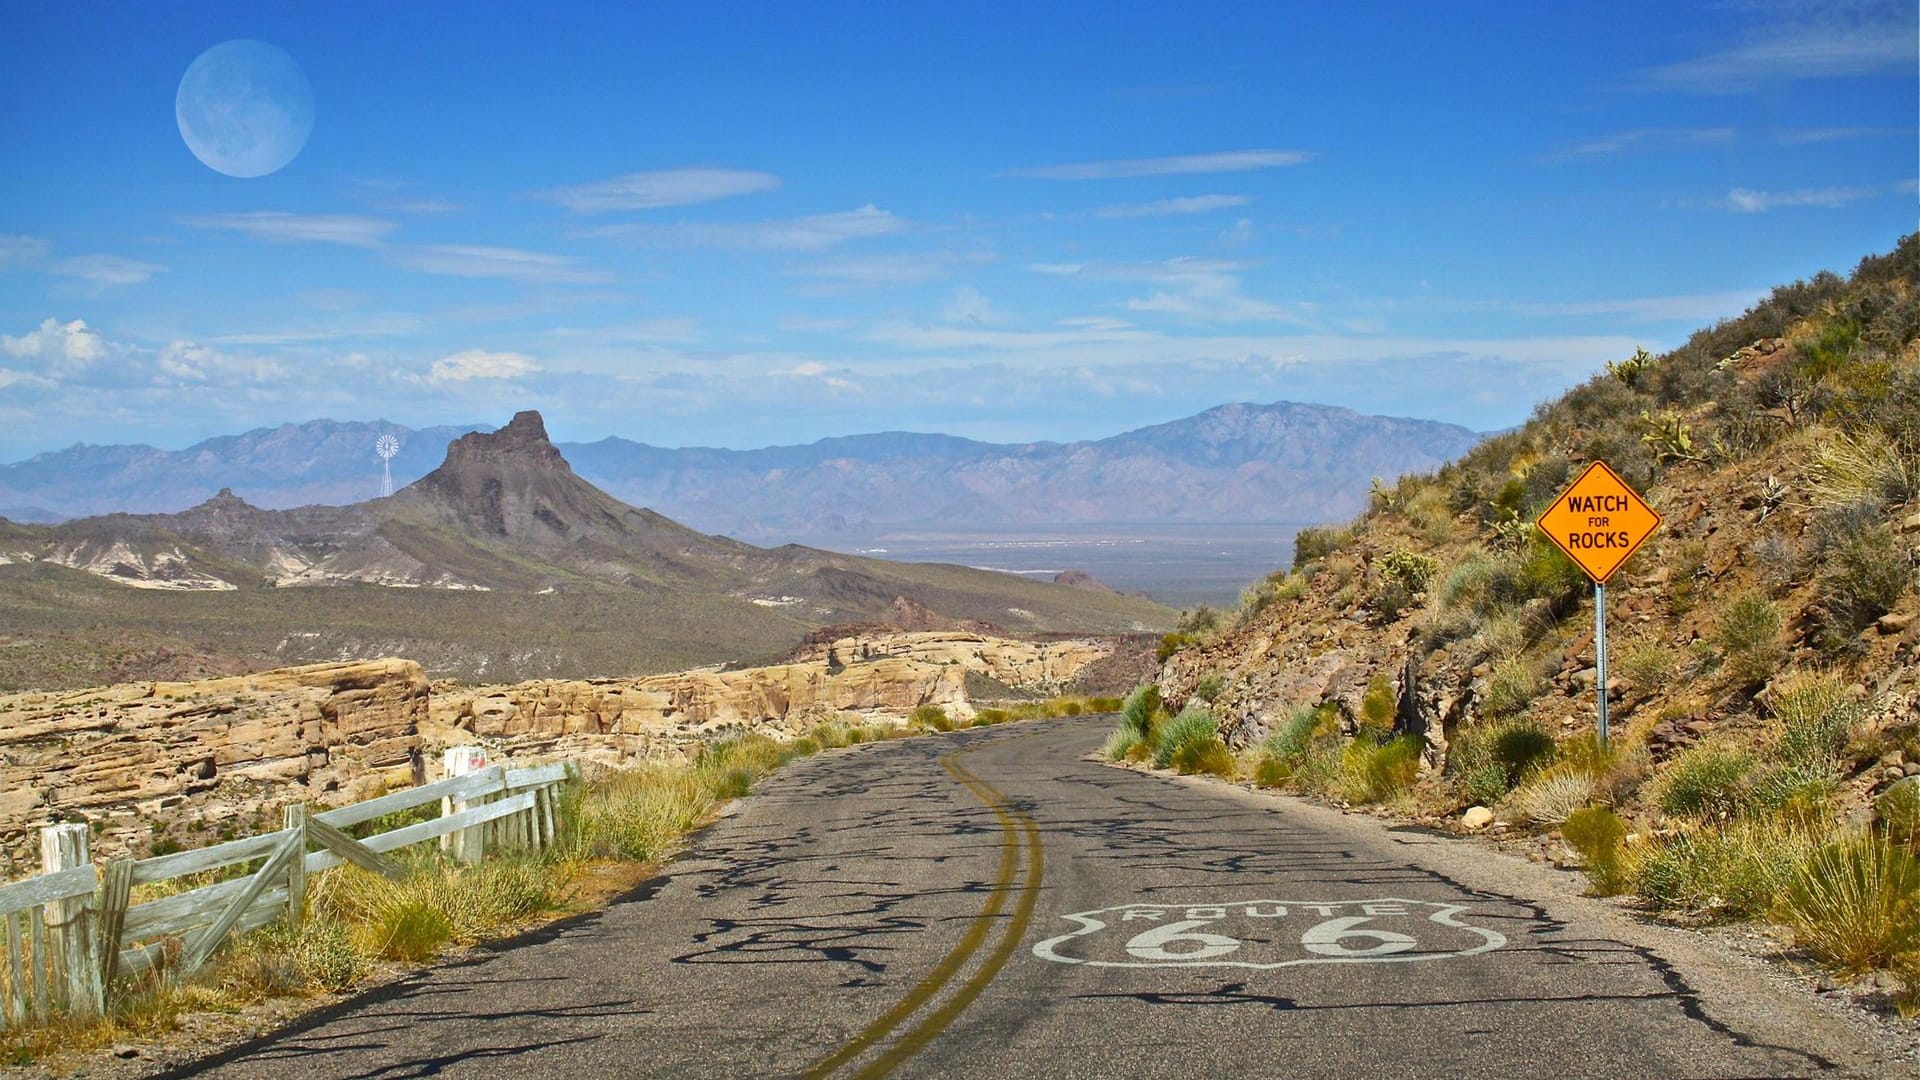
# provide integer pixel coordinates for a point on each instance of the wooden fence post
(116, 888)
(69, 930)
(297, 869)
(466, 845)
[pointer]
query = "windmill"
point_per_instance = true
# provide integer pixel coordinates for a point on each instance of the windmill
(386, 446)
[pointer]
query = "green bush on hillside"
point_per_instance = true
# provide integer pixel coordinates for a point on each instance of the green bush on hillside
(1706, 781)
(1194, 725)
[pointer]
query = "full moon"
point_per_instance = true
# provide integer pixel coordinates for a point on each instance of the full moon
(244, 108)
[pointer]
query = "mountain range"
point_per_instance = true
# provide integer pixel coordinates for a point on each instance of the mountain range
(501, 563)
(1241, 463)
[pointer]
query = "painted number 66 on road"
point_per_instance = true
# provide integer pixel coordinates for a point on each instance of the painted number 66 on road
(1268, 934)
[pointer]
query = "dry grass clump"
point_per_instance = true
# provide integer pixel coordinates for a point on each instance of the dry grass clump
(1855, 903)
(1552, 796)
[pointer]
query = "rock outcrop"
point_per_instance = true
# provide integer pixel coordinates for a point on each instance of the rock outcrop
(612, 720)
(203, 755)
(201, 761)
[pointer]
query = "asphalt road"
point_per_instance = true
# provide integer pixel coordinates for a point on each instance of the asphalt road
(905, 909)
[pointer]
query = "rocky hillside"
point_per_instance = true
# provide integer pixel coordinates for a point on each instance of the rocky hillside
(1437, 654)
(501, 562)
(1235, 463)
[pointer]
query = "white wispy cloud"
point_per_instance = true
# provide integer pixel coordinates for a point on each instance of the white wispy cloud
(1802, 41)
(189, 362)
(1701, 307)
(1605, 146)
(20, 250)
(815, 232)
(843, 272)
(105, 271)
(281, 227)
(969, 306)
(937, 338)
(669, 328)
(1749, 201)
(1194, 289)
(659, 188)
(512, 264)
(814, 324)
(1803, 136)
(61, 348)
(1181, 165)
(420, 206)
(1190, 204)
(474, 364)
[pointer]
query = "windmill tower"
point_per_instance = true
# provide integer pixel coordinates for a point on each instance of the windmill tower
(386, 446)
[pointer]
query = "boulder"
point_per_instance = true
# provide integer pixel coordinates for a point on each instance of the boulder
(1476, 818)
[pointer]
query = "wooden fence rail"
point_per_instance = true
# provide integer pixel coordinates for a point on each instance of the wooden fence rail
(71, 931)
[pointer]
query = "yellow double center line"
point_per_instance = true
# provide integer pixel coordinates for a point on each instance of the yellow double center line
(1016, 826)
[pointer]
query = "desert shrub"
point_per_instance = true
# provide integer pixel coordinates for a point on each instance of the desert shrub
(931, 716)
(1209, 687)
(1138, 712)
(1320, 771)
(1103, 704)
(1647, 663)
(1863, 469)
(1481, 783)
(1209, 756)
(1291, 741)
(1201, 620)
(1193, 725)
(638, 814)
(1492, 759)
(1173, 642)
(1551, 795)
(1817, 718)
(1512, 686)
(1547, 573)
(1864, 578)
(1797, 791)
(1749, 631)
(1594, 832)
(1409, 569)
(1735, 871)
(1375, 771)
(989, 717)
(1317, 543)
(1597, 833)
(732, 783)
(1475, 583)
(1120, 743)
(1896, 815)
(803, 746)
(1629, 371)
(408, 928)
(1378, 707)
(1855, 903)
(1706, 780)
(1272, 772)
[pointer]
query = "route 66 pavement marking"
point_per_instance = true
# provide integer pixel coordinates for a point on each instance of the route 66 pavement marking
(1269, 934)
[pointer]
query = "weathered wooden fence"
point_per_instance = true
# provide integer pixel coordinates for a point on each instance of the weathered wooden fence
(71, 931)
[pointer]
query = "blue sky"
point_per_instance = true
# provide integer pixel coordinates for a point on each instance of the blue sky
(739, 225)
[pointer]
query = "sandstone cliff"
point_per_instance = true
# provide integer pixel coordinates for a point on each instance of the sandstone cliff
(210, 755)
(194, 762)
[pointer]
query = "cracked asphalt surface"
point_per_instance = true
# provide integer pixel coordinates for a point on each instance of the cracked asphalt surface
(876, 911)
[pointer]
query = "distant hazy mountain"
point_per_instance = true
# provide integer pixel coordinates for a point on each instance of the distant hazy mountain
(506, 524)
(1278, 463)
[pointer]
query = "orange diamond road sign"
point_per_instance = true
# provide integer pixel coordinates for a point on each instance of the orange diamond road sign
(1599, 521)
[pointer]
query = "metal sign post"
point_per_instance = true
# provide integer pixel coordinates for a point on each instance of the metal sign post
(1599, 521)
(1600, 655)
